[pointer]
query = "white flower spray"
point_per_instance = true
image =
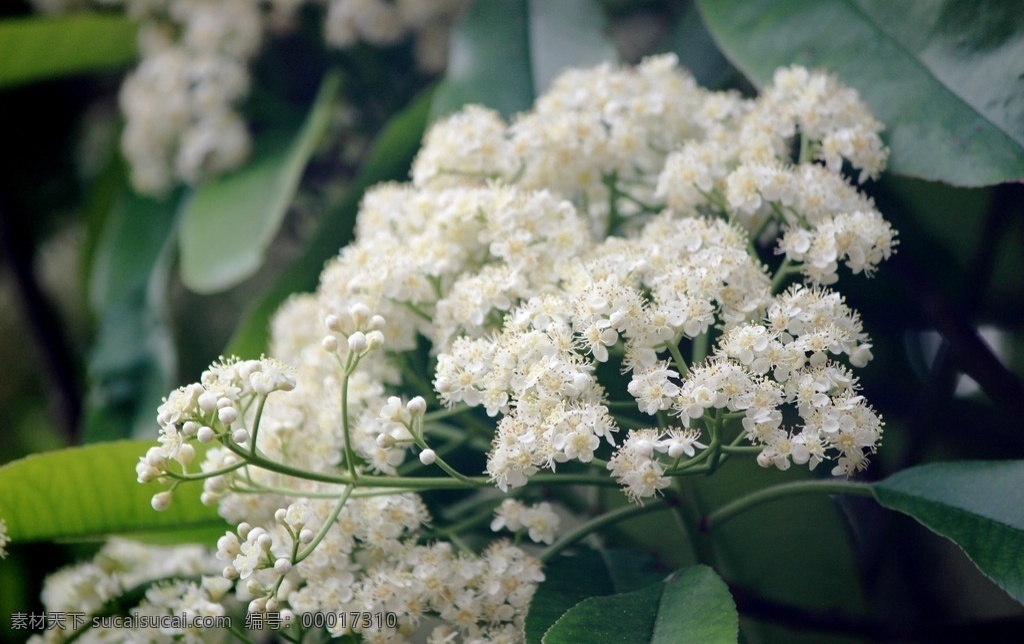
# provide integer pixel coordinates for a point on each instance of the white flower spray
(559, 268)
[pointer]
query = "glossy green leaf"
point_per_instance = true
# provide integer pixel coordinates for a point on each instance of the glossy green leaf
(230, 220)
(563, 34)
(505, 52)
(690, 41)
(35, 49)
(782, 528)
(90, 492)
(693, 605)
(945, 77)
(569, 579)
(976, 504)
(388, 160)
(131, 362)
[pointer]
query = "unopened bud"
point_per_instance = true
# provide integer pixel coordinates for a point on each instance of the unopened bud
(416, 406)
(329, 344)
(357, 342)
(161, 501)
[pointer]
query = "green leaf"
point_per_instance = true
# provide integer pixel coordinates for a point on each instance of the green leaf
(944, 77)
(693, 605)
(976, 504)
(569, 579)
(131, 363)
(84, 493)
(505, 52)
(389, 159)
(230, 220)
(34, 49)
(690, 41)
(566, 33)
(751, 549)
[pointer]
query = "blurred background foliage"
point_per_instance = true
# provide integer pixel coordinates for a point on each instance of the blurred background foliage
(109, 299)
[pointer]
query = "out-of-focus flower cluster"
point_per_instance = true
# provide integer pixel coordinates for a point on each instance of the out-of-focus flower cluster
(190, 585)
(596, 286)
(180, 104)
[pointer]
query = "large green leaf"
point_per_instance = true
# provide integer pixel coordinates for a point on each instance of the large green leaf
(976, 504)
(389, 159)
(569, 579)
(693, 605)
(90, 492)
(767, 550)
(566, 33)
(690, 41)
(943, 76)
(34, 49)
(230, 220)
(505, 52)
(131, 363)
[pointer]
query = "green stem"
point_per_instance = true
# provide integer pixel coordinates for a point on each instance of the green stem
(457, 437)
(256, 424)
(677, 357)
(700, 347)
(206, 475)
(785, 270)
(325, 528)
(608, 518)
(438, 414)
(350, 455)
(691, 510)
(742, 504)
(478, 519)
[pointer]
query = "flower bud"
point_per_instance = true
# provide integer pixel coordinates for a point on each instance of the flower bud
(205, 434)
(360, 314)
(282, 566)
(416, 406)
(185, 454)
(427, 457)
(384, 441)
(332, 323)
(374, 340)
(145, 471)
(357, 342)
(265, 542)
(329, 344)
(240, 435)
(227, 415)
(161, 501)
(306, 535)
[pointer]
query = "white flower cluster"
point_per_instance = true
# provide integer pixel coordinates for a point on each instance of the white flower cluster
(559, 297)
(297, 548)
(180, 102)
(636, 465)
(676, 275)
(207, 410)
(385, 22)
(122, 565)
(539, 520)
